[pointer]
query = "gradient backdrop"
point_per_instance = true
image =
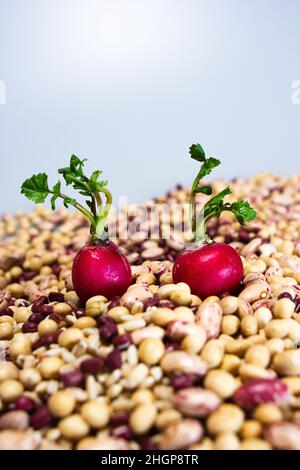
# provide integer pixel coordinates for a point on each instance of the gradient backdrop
(130, 84)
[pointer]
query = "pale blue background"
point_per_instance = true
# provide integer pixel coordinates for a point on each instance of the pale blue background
(130, 84)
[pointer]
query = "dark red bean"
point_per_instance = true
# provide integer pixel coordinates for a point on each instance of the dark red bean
(46, 340)
(55, 317)
(147, 443)
(29, 327)
(115, 302)
(181, 381)
(122, 341)
(7, 311)
(45, 310)
(114, 360)
(25, 404)
(56, 269)
(171, 345)
(123, 432)
(285, 295)
(43, 299)
(29, 275)
(40, 418)
(56, 297)
(120, 418)
(244, 236)
(73, 378)
(107, 332)
(35, 318)
(92, 366)
(105, 320)
(228, 238)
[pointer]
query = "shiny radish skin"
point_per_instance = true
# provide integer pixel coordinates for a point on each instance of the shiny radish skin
(100, 269)
(212, 269)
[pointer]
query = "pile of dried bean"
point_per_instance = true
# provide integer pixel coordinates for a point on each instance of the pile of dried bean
(158, 368)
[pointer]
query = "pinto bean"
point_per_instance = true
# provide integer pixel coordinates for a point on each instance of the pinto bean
(180, 361)
(15, 419)
(256, 291)
(177, 330)
(151, 331)
(284, 436)
(196, 402)
(19, 440)
(209, 316)
(180, 435)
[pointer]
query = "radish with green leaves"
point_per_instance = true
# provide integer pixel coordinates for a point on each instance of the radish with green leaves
(210, 268)
(99, 267)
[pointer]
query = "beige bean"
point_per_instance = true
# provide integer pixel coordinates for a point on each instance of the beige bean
(228, 418)
(212, 353)
(230, 324)
(96, 414)
(229, 305)
(284, 308)
(227, 441)
(287, 362)
(73, 427)
(151, 350)
(251, 428)
(10, 390)
(249, 371)
(8, 370)
(231, 363)
(262, 316)
(184, 314)
(103, 443)
(254, 443)
(268, 413)
(166, 418)
(277, 329)
(162, 316)
(259, 355)
(221, 382)
(193, 344)
(142, 418)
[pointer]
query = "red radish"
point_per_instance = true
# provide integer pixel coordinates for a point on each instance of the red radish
(210, 268)
(99, 267)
